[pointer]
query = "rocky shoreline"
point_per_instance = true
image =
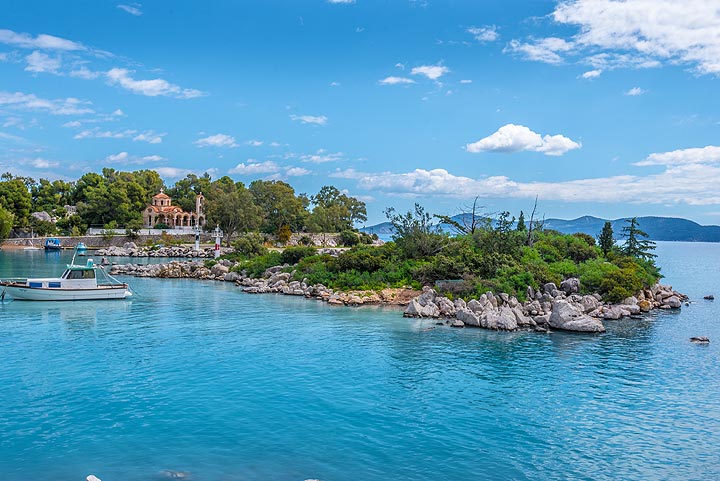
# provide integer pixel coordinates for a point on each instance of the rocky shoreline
(130, 249)
(273, 281)
(548, 308)
(545, 309)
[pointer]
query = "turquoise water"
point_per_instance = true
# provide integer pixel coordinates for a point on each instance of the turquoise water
(198, 377)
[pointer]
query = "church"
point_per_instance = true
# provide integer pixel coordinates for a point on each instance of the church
(161, 211)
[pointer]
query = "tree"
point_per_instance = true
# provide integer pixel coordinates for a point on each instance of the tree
(470, 219)
(521, 227)
(15, 197)
(414, 233)
(232, 208)
(335, 211)
(606, 239)
(636, 243)
(6, 222)
(279, 205)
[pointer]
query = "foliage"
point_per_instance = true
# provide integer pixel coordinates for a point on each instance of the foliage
(521, 222)
(415, 235)
(305, 240)
(636, 243)
(279, 206)
(230, 206)
(606, 239)
(284, 234)
(292, 255)
(15, 198)
(42, 228)
(6, 222)
(161, 226)
(256, 266)
(334, 211)
(349, 238)
(250, 245)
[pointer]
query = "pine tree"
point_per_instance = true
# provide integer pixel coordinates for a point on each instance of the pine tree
(636, 243)
(606, 240)
(521, 227)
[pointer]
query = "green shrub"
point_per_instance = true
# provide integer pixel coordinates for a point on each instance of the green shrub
(284, 234)
(364, 259)
(292, 255)
(256, 266)
(250, 245)
(305, 240)
(349, 238)
(620, 284)
(161, 225)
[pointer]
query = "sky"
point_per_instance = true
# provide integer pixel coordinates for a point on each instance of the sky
(599, 107)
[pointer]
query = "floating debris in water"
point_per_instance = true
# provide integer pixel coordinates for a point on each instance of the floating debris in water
(709, 298)
(700, 339)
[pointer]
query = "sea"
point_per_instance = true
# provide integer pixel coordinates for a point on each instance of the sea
(198, 381)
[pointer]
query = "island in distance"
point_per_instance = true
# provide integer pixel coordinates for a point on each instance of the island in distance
(657, 228)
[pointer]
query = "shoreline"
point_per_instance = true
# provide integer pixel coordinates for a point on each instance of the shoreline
(545, 309)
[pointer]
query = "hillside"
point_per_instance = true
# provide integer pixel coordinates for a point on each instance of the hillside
(658, 228)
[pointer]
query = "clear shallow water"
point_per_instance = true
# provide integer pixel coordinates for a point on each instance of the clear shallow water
(198, 377)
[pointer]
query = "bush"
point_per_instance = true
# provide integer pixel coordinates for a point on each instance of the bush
(349, 238)
(361, 259)
(367, 238)
(284, 234)
(620, 284)
(305, 240)
(161, 225)
(256, 266)
(293, 255)
(250, 245)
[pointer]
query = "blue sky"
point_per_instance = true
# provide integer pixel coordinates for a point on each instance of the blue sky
(596, 107)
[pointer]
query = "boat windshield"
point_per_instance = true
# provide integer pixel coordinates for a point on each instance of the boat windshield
(80, 274)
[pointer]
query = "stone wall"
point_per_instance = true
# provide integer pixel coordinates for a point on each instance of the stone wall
(97, 242)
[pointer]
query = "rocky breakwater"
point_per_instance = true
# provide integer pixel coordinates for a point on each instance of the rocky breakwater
(130, 249)
(274, 280)
(547, 308)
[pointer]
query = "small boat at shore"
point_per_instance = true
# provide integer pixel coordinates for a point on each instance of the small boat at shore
(78, 282)
(52, 244)
(81, 249)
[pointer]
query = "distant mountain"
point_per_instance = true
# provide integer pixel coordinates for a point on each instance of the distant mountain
(658, 228)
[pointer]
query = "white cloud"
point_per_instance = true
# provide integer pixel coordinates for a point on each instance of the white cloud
(151, 88)
(321, 157)
(433, 72)
(515, 138)
(73, 124)
(132, 9)
(40, 163)
(341, 2)
(84, 73)
(254, 143)
(466, 81)
(545, 50)
(691, 184)
(488, 33)
(334, 84)
(42, 41)
(218, 140)
(3, 57)
(30, 102)
(296, 172)
(638, 33)
(703, 155)
(592, 74)
(635, 91)
(310, 119)
(267, 167)
(153, 158)
(119, 157)
(174, 172)
(148, 136)
(396, 81)
(40, 62)
(119, 113)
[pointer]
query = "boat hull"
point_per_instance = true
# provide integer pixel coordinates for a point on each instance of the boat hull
(24, 293)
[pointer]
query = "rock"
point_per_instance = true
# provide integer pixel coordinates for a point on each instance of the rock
(231, 277)
(570, 286)
(428, 296)
(530, 292)
(92, 477)
(567, 317)
(589, 304)
(475, 306)
(549, 287)
(447, 308)
(673, 302)
(507, 320)
(457, 323)
(415, 309)
(700, 340)
(504, 298)
(541, 320)
(219, 270)
(614, 313)
(709, 298)
(459, 304)
(468, 317)
(521, 318)
(645, 305)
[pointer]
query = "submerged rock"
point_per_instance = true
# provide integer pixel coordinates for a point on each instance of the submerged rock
(700, 339)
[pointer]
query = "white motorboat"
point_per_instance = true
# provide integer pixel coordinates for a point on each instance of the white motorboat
(78, 282)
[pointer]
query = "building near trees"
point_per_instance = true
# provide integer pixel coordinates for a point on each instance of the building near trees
(162, 211)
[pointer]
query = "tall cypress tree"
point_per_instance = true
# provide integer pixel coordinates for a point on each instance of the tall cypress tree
(521, 227)
(606, 239)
